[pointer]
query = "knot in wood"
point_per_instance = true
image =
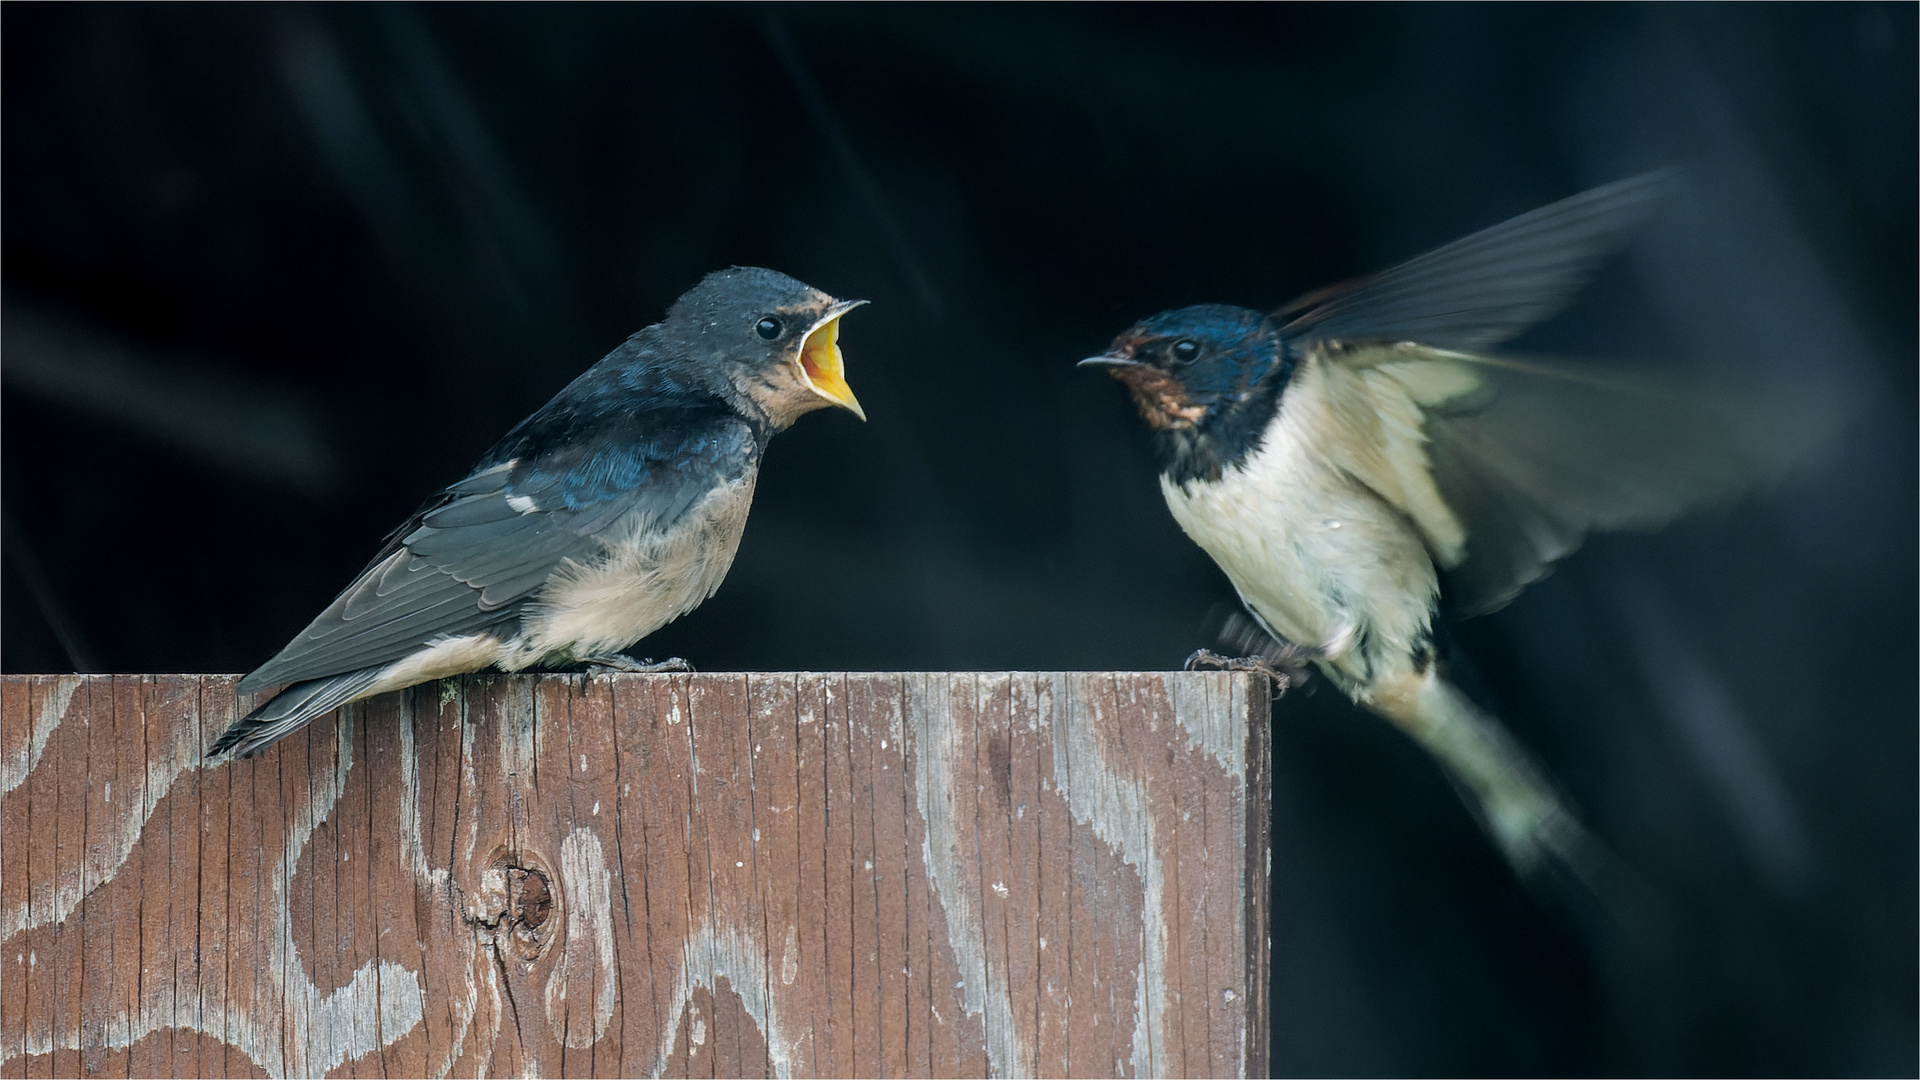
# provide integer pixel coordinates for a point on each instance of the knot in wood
(514, 906)
(528, 925)
(529, 898)
(1053, 841)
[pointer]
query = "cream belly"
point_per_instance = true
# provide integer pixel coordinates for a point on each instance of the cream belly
(643, 581)
(1319, 557)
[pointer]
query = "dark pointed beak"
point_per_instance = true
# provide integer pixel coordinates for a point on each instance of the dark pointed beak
(1110, 363)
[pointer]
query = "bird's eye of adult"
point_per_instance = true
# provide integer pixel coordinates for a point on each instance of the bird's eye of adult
(1185, 350)
(768, 328)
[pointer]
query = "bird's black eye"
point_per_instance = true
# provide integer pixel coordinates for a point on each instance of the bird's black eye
(1185, 351)
(768, 328)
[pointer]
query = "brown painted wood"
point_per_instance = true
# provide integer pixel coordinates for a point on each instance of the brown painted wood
(710, 875)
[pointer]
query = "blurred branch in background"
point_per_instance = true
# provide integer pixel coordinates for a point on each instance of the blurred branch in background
(499, 216)
(441, 158)
(238, 423)
(27, 566)
(863, 183)
(349, 141)
(1704, 712)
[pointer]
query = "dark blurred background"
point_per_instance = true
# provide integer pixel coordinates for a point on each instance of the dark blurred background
(272, 274)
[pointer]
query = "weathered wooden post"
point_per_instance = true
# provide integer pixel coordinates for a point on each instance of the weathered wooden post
(715, 875)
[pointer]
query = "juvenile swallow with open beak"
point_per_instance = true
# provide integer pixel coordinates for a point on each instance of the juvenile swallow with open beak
(1354, 455)
(613, 510)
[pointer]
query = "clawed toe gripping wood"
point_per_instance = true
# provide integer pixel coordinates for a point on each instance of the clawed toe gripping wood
(710, 875)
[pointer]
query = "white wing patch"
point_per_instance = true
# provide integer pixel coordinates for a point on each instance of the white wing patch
(522, 503)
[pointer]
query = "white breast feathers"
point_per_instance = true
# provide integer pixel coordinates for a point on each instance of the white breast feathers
(1318, 555)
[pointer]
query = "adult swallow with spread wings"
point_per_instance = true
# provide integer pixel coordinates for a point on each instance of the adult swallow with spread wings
(613, 510)
(1351, 456)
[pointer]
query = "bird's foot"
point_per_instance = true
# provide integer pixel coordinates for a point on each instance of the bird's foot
(620, 662)
(1284, 668)
(1208, 660)
(1284, 664)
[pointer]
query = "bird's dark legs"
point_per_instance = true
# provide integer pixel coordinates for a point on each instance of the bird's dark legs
(1285, 663)
(621, 662)
(1284, 670)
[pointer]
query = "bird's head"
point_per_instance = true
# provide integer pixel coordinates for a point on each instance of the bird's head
(1188, 366)
(774, 339)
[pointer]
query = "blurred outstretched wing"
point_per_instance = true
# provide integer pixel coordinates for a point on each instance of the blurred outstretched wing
(480, 550)
(1505, 465)
(1486, 288)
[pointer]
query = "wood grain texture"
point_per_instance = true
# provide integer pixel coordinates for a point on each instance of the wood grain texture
(711, 875)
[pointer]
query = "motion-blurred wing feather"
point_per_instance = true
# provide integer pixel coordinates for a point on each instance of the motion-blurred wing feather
(1505, 466)
(1485, 288)
(1554, 453)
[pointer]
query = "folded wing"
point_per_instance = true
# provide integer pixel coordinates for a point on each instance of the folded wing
(482, 549)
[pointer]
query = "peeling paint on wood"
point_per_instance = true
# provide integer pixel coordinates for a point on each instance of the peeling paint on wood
(783, 875)
(26, 738)
(587, 967)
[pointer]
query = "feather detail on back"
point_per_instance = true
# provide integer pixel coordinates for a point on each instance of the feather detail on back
(484, 551)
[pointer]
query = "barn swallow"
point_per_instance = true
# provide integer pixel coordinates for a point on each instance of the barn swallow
(611, 511)
(1358, 453)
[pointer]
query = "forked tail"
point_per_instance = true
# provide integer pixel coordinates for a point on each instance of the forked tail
(1517, 805)
(289, 711)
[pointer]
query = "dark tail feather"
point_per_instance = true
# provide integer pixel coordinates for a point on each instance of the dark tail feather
(1534, 827)
(289, 711)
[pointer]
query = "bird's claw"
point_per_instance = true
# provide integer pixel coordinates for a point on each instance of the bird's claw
(1275, 668)
(1208, 660)
(624, 664)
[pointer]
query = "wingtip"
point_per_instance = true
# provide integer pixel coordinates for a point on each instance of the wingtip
(1490, 285)
(236, 741)
(223, 747)
(288, 711)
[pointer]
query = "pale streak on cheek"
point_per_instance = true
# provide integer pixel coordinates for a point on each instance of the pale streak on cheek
(1183, 409)
(1167, 413)
(783, 395)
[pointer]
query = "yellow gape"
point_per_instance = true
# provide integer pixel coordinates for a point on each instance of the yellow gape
(821, 364)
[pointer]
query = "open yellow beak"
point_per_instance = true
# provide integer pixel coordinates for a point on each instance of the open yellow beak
(821, 364)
